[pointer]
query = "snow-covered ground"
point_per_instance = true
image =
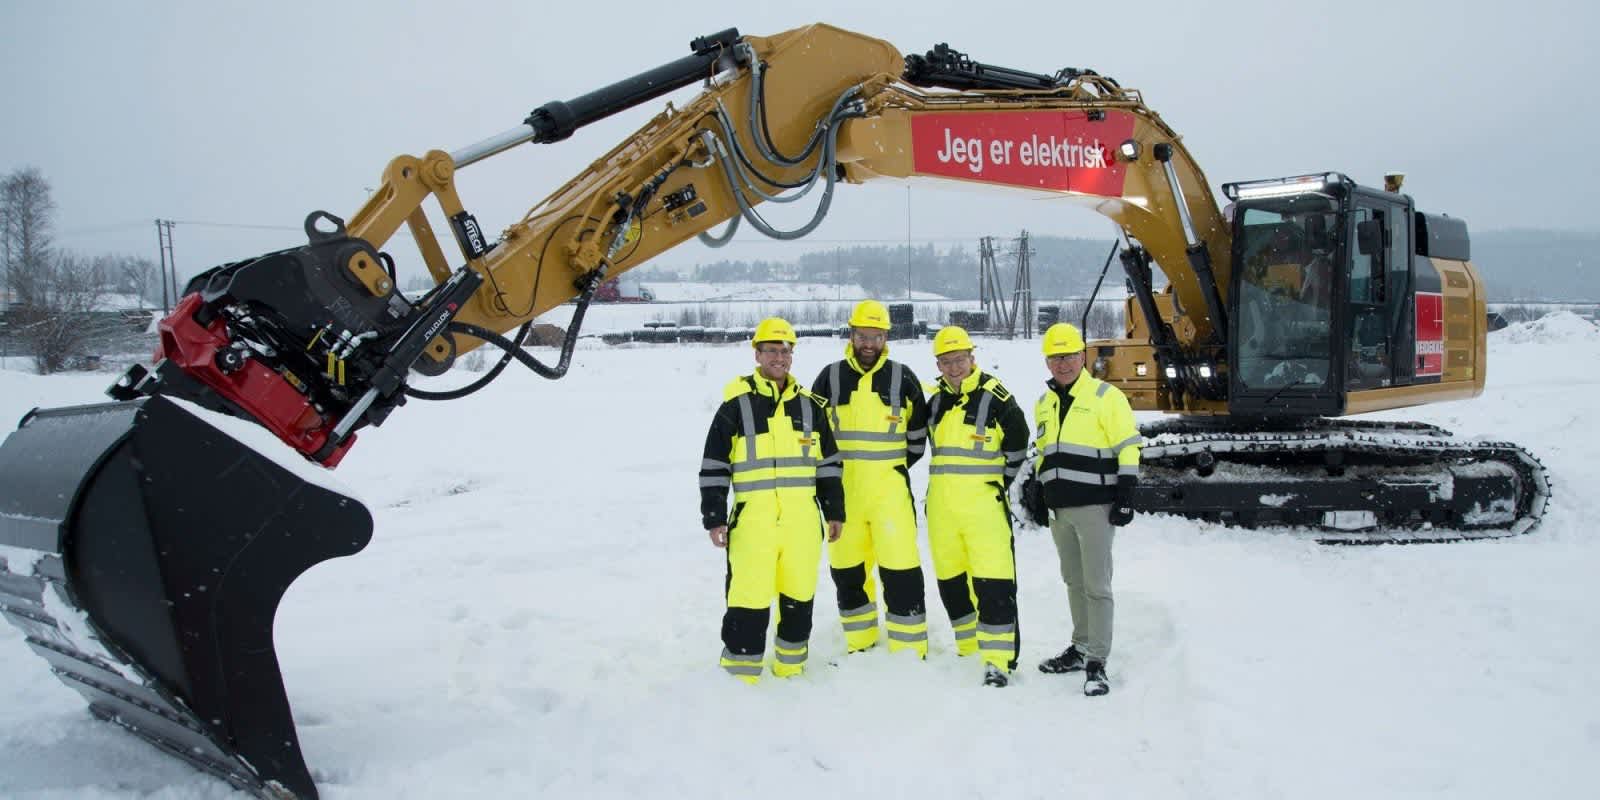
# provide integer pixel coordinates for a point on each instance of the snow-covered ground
(538, 612)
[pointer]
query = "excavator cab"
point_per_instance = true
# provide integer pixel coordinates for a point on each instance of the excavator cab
(1327, 297)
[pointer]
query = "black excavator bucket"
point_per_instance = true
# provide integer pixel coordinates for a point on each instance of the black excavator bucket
(143, 551)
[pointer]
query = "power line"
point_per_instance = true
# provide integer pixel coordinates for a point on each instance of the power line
(107, 228)
(201, 224)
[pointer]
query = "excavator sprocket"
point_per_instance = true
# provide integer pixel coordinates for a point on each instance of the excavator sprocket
(1342, 481)
(143, 553)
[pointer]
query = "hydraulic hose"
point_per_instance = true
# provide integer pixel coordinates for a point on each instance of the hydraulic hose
(514, 350)
(843, 109)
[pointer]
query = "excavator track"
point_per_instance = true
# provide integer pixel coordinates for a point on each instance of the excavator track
(1342, 481)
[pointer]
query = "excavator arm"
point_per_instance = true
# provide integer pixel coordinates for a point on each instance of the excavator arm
(781, 119)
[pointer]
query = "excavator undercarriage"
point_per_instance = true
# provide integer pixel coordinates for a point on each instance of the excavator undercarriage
(1341, 481)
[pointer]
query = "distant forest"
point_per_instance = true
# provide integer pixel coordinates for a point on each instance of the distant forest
(1516, 266)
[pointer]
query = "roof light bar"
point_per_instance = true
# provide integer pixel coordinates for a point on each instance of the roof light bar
(1280, 187)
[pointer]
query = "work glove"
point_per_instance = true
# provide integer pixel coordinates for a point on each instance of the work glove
(1121, 509)
(1033, 502)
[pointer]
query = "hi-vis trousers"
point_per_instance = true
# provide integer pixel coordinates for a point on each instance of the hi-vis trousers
(881, 532)
(969, 532)
(774, 547)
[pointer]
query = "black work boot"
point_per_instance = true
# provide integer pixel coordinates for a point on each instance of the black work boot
(1094, 679)
(992, 676)
(1070, 660)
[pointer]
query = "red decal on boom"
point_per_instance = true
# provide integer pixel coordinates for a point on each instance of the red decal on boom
(1051, 150)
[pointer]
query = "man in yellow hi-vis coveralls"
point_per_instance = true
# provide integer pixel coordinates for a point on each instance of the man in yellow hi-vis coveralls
(980, 438)
(771, 443)
(880, 420)
(1087, 466)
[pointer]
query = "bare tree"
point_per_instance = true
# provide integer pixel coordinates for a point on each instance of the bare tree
(27, 214)
(58, 322)
(135, 275)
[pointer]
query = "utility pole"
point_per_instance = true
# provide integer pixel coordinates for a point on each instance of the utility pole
(1022, 297)
(168, 265)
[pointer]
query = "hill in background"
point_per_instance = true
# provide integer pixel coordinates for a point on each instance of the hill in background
(1517, 265)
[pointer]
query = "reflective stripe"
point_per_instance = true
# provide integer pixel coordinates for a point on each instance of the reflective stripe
(870, 608)
(721, 481)
(743, 658)
(894, 395)
(830, 472)
(711, 463)
(747, 415)
(773, 463)
(786, 652)
(733, 669)
(982, 423)
(1014, 455)
(965, 633)
(872, 455)
(1131, 440)
(807, 421)
(962, 452)
(917, 435)
(1076, 450)
(1128, 469)
(1077, 477)
(775, 483)
(996, 644)
(997, 630)
(1102, 389)
(860, 624)
(866, 436)
(967, 469)
(916, 447)
(831, 460)
(913, 619)
(833, 393)
(920, 635)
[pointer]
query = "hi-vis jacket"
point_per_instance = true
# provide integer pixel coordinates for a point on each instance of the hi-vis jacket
(770, 444)
(1088, 443)
(879, 416)
(979, 434)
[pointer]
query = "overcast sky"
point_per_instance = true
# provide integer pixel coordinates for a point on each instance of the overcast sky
(257, 113)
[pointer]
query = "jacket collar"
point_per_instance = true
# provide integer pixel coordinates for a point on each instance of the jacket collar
(765, 387)
(1079, 387)
(967, 384)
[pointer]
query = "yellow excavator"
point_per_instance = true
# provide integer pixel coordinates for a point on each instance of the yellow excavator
(145, 543)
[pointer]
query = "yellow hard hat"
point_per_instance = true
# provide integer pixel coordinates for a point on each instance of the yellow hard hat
(950, 338)
(773, 329)
(1062, 339)
(870, 314)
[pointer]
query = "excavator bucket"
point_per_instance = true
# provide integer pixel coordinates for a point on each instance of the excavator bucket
(143, 552)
